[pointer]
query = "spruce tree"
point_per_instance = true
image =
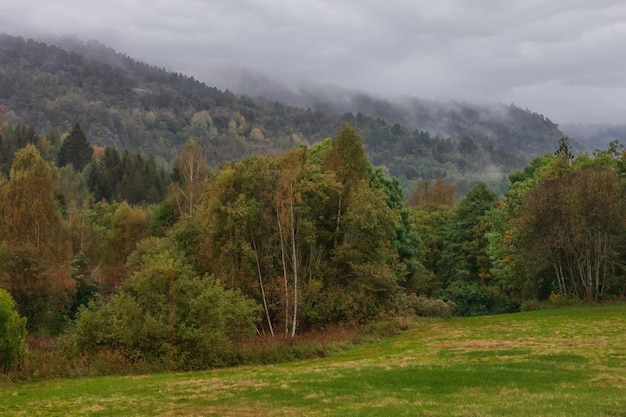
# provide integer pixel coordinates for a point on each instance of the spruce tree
(75, 150)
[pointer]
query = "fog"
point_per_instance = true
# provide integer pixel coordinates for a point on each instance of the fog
(562, 58)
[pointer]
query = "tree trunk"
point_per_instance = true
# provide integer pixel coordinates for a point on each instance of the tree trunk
(285, 279)
(258, 268)
(294, 265)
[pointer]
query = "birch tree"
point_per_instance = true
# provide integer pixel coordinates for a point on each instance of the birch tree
(348, 160)
(192, 173)
(36, 257)
(575, 223)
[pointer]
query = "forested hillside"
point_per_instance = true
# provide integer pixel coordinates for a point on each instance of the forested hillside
(508, 127)
(130, 105)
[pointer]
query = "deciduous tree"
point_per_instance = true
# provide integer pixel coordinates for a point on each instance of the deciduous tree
(12, 333)
(127, 228)
(36, 266)
(192, 172)
(438, 191)
(574, 223)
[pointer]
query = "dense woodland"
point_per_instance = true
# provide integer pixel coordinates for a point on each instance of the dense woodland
(197, 258)
(175, 263)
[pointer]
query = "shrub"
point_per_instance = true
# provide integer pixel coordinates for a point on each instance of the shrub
(420, 305)
(529, 305)
(12, 333)
(165, 313)
(470, 298)
(384, 327)
(433, 307)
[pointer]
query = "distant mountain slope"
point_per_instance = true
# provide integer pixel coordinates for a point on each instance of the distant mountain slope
(595, 136)
(128, 104)
(504, 126)
(137, 106)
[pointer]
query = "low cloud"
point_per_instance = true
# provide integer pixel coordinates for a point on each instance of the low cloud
(562, 58)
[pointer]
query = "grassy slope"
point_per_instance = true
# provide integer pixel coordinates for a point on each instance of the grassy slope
(569, 362)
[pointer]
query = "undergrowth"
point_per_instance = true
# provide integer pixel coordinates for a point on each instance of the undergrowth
(58, 357)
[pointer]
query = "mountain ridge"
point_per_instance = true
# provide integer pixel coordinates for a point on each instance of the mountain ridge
(124, 103)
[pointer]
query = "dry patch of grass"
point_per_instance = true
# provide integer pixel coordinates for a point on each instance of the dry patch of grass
(233, 411)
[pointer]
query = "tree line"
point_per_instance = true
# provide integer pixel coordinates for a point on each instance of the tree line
(110, 248)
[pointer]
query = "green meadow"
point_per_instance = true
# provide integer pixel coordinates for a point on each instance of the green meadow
(566, 362)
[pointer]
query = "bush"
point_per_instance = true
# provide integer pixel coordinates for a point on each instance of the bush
(433, 307)
(469, 297)
(529, 305)
(198, 329)
(420, 305)
(384, 327)
(12, 333)
(165, 313)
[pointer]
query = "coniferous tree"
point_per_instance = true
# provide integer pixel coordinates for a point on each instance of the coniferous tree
(75, 150)
(464, 263)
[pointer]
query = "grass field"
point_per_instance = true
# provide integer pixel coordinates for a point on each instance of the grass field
(568, 362)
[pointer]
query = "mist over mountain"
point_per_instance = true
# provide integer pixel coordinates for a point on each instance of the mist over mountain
(595, 136)
(507, 125)
(132, 105)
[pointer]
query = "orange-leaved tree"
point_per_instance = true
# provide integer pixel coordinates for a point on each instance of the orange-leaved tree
(36, 255)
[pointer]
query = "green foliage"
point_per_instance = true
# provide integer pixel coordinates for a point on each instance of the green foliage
(366, 260)
(432, 307)
(558, 228)
(510, 267)
(129, 177)
(314, 235)
(564, 150)
(166, 313)
(468, 297)
(430, 222)
(75, 150)
(464, 255)
(346, 157)
(190, 175)
(30, 200)
(162, 218)
(408, 246)
(12, 139)
(128, 226)
(87, 288)
(12, 333)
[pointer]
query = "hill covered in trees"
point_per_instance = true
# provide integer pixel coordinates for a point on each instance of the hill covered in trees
(130, 105)
(508, 127)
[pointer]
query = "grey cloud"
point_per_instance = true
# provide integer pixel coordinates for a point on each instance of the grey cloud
(564, 58)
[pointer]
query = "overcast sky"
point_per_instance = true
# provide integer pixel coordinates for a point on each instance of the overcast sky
(565, 59)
